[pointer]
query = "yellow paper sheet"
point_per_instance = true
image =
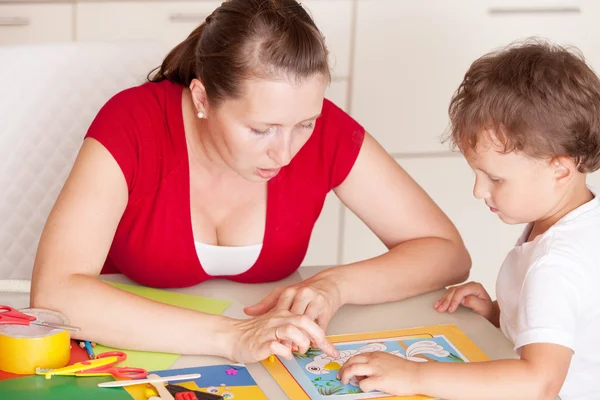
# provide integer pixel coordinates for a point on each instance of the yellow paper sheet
(157, 361)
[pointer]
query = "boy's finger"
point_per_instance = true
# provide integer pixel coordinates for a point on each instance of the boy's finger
(475, 303)
(456, 301)
(355, 370)
(358, 359)
(447, 299)
(461, 293)
(369, 384)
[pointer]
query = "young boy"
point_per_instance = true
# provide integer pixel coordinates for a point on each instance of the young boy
(527, 120)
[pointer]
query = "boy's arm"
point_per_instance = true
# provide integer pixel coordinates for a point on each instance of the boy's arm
(495, 317)
(539, 374)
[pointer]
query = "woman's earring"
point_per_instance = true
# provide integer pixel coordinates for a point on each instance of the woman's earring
(201, 114)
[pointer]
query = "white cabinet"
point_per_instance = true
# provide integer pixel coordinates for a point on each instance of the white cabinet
(566, 22)
(337, 92)
(449, 181)
(334, 19)
(324, 242)
(35, 23)
(409, 58)
(594, 180)
(170, 22)
(591, 14)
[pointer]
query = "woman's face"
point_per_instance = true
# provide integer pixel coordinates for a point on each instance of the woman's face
(261, 131)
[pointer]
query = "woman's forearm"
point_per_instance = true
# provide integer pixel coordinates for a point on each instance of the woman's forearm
(406, 270)
(116, 318)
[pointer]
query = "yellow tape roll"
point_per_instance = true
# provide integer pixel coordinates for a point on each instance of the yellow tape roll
(25, 348)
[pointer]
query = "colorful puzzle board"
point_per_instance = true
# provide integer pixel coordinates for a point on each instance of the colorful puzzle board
(312, 376)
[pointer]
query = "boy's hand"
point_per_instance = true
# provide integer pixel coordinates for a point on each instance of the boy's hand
(471, 295)
(381, 371)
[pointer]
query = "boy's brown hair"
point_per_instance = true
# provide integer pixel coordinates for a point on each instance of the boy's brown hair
(537, 98)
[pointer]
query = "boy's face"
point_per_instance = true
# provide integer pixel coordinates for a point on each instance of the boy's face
(518, 188)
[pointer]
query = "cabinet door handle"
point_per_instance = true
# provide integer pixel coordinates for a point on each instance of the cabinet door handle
(533, 10)
(196, 18)
(14, 21)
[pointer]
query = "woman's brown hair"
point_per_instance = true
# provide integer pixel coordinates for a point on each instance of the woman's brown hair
(537, 98)
(245, 39)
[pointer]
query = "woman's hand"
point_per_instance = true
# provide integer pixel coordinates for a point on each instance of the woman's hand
(318, 298)
(471, 295)
(276, 333)
(381, 371)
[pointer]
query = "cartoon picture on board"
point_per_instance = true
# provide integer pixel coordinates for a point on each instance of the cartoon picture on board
(321, 369)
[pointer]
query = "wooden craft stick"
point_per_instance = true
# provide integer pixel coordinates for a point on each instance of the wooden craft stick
(161, 389)
(189, 377)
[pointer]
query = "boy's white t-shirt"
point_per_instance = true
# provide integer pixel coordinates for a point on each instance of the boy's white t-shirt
(549, 292)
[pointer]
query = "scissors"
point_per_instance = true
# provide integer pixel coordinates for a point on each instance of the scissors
(10, 316)
(101, 366)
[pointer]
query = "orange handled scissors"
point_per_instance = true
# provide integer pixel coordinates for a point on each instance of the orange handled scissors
(10, 316)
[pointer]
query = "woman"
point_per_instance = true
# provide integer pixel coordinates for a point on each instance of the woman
(219, 167)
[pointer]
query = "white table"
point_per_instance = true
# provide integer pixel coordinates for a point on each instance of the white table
(413, 312)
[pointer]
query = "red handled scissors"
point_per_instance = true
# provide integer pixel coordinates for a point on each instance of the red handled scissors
(110, 369)
(10, 316)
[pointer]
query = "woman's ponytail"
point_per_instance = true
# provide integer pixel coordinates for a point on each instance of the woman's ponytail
(179, 65)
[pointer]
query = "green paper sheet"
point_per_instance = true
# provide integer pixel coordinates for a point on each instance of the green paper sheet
(60, 388)
(158, 361)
